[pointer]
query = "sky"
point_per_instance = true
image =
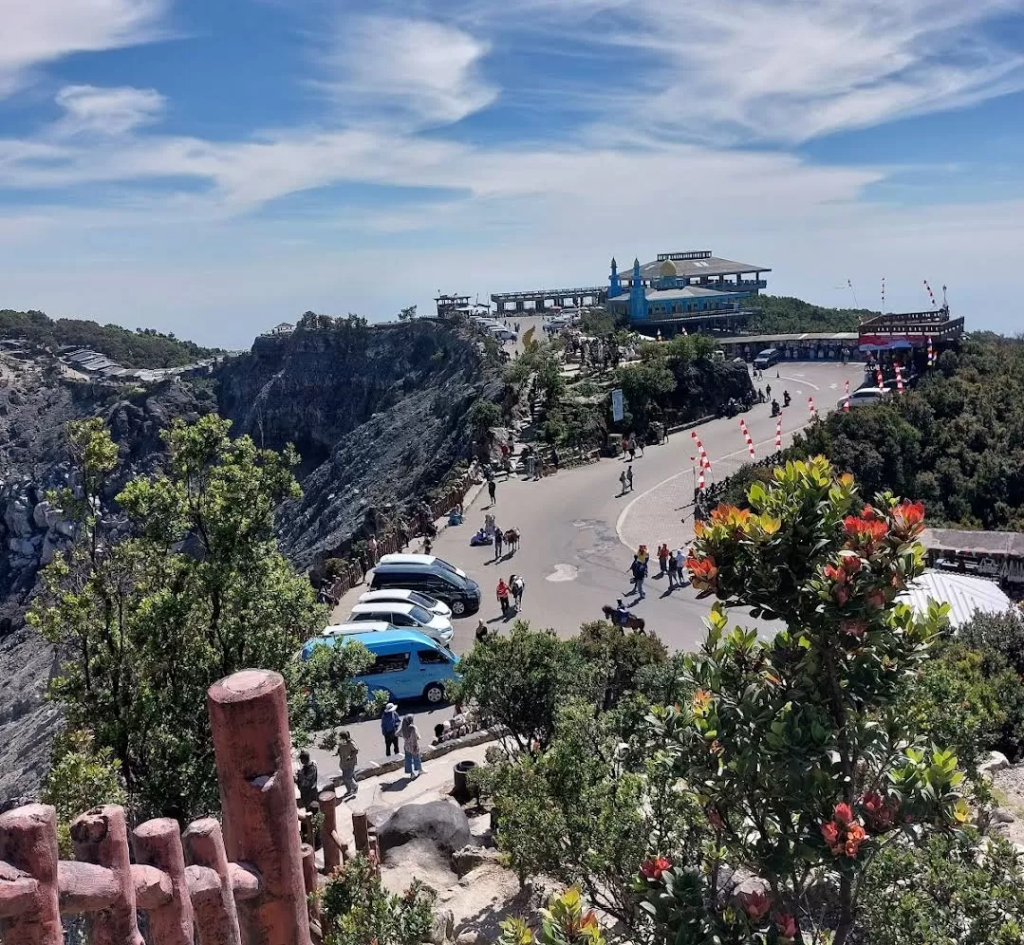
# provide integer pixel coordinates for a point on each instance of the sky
(214, 168)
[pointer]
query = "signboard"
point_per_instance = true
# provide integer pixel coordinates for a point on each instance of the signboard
(618, 406)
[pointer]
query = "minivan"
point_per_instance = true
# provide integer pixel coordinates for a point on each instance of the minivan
(401, 558)
(405, 615)
(435, 579)
(407, 664)
(766, 358)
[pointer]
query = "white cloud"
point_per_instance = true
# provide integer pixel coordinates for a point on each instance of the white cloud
(36, 32)
(107, 111)
(417, 69)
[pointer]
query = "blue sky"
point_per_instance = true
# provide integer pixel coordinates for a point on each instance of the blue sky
(214, 168)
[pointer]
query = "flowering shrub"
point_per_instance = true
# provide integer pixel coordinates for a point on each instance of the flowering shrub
(795, 748)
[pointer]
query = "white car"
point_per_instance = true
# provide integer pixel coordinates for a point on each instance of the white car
(343, 629)
(504, 334)
(401, 595)
(865, 397)
(405, 616)
(425, 560)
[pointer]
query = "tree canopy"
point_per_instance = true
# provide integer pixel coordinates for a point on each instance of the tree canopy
(142, 348)
(786, 315)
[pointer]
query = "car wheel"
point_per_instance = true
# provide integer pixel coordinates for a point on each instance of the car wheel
(434, 692)
(458, 608)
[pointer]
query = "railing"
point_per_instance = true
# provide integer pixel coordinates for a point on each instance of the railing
(240, 882)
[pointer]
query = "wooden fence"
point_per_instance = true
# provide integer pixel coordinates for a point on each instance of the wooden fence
(242, 881)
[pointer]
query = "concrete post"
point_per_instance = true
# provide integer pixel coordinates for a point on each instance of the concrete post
(100, 837)
(329, 832)
(28, 842)
(252, 743)
(158, 843)
(216, 915)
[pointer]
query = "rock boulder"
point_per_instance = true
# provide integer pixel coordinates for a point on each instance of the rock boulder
(443, 824)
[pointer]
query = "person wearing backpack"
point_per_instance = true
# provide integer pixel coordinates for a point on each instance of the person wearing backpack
(390, 722)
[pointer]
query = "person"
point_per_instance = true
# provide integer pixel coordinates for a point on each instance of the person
(555, 458)
(776, 410)
(673, 570)
(663, 555)
(499, 539)
(643, 554)
(411, 743)
(503, 594)
(492, 489)
(371, 547)
(760, 396)
(621, 613)
(518, 589)
(638, 569)
(481, 630)
(768, 389)
(348, 755)
(622, 481)
(389, 723)
(631, 449)
(307, 778)
(786, 398)
(680, 567)
(489, 526)
(629, 477)
(639, 440)
(428, 545)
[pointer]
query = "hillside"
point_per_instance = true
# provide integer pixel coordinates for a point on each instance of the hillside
(142, 348)
(786, 315)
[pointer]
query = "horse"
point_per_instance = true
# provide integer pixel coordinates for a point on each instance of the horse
(632, 621)
(512, 539)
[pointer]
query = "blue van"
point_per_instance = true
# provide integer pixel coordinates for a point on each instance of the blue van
(408, 665)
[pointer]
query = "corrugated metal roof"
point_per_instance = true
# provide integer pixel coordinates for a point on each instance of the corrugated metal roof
(965, 595)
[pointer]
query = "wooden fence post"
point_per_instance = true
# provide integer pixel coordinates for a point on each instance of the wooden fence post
(252, 743)
(329, 831)
(157, 843)
(216, 915)
(28, 842)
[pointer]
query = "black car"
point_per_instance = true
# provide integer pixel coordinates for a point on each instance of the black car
(460, 593)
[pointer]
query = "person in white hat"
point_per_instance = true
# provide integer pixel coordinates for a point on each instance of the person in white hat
(390, 722)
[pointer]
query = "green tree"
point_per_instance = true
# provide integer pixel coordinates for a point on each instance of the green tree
(407, 314)
(196, 589)
(643, 385)
(797, 748)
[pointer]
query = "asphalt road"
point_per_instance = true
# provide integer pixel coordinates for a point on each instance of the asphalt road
(579, 532)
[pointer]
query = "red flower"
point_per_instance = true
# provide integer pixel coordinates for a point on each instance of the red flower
(842, 814)
(834, 574)
(703, 573)
(855, 836)
(864, 533)
(714, 818)
(830, 833)
(786, 924)
(856, 628)
(653, 868)
(908, 520)
(841, 594)
(755, 904)
(879, 812)
(876, 599)
(852, 562)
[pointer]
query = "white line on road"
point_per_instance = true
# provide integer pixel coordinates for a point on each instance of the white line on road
(620, 521)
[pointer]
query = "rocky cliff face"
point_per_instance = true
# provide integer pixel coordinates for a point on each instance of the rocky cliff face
(378, 415)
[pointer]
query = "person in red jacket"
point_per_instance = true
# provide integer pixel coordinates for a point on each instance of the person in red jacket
(503, 595)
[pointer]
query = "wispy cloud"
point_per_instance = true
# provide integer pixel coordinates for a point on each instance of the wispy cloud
(107, 111)
(424, 71)
(36, 32)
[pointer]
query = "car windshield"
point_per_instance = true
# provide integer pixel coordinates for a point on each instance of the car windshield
(420, 615)
(416, 598)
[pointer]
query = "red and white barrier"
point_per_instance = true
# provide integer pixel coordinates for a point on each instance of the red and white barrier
(747, 437)
(846, 403)
(879, 377)
(778, 433)
(811, 407)
(899, 378)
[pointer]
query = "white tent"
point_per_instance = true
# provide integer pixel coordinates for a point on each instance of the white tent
(965, 595)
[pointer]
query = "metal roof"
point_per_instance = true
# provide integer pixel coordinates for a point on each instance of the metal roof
(968, 542)
(792, 339)
(965, 595)
(706, 266)
(687, 292)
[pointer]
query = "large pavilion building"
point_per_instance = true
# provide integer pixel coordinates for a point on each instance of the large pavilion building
(678, 289)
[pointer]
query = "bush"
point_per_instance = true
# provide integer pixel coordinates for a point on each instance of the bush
(618, 658)
(998, 633)
(356, 909)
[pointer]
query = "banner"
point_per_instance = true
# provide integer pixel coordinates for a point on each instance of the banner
(618, 406)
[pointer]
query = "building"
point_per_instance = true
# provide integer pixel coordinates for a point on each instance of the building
(540, 300)
(678, 289)
(910, 332)
(285, 328)
(448, 305)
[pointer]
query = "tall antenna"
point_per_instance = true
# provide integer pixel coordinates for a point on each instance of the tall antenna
(856, 304)
(945, 304)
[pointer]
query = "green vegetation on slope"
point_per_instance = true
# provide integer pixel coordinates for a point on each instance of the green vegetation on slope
(142, 348)
(785, 315)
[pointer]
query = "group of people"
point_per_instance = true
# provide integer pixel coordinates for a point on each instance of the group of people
(670, 561)
(507, 591)
(626, 479)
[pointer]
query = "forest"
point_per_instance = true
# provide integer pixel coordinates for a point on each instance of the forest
(786, 315)
(141, 348)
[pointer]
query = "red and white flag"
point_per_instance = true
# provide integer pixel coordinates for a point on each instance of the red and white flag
(846, 404)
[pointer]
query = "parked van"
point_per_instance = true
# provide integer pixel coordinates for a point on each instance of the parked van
(767, 358)
(407, 664)
(433, 577)
(405, 615)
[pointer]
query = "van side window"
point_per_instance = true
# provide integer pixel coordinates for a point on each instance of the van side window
(432, 657)
(388, 663)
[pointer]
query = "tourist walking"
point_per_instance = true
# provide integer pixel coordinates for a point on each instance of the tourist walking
(663, 556)
(348, 755)
(503, 593)
(673, 570)
(638, 570)
(622, 482)
(631, 449)
(768, 389)
(481, 630)
(629, 477)
(518, 589)
(411, 743)
(307, 779)
(492, 490)
(390, 722)
(499, 539)
(680, 560)
(639, 441)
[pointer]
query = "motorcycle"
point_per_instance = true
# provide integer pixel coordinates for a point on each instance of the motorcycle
(776, 409)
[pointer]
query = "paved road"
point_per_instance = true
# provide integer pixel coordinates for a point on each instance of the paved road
(579, 532)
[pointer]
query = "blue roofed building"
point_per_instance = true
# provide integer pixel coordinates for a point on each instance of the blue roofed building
(694, 288)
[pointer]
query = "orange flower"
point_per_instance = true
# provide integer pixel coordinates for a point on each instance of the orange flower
(755, 904)
(842, 814)
(830, 833)
(834, 574)
(703, 573)
(654, 867)
(855, 836)
(701, 700)
(908, 520)
(731, 517)
(864, 534)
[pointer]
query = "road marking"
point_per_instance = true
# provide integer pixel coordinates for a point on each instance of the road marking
(798, 379)
(563, 572)
(620, 521)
